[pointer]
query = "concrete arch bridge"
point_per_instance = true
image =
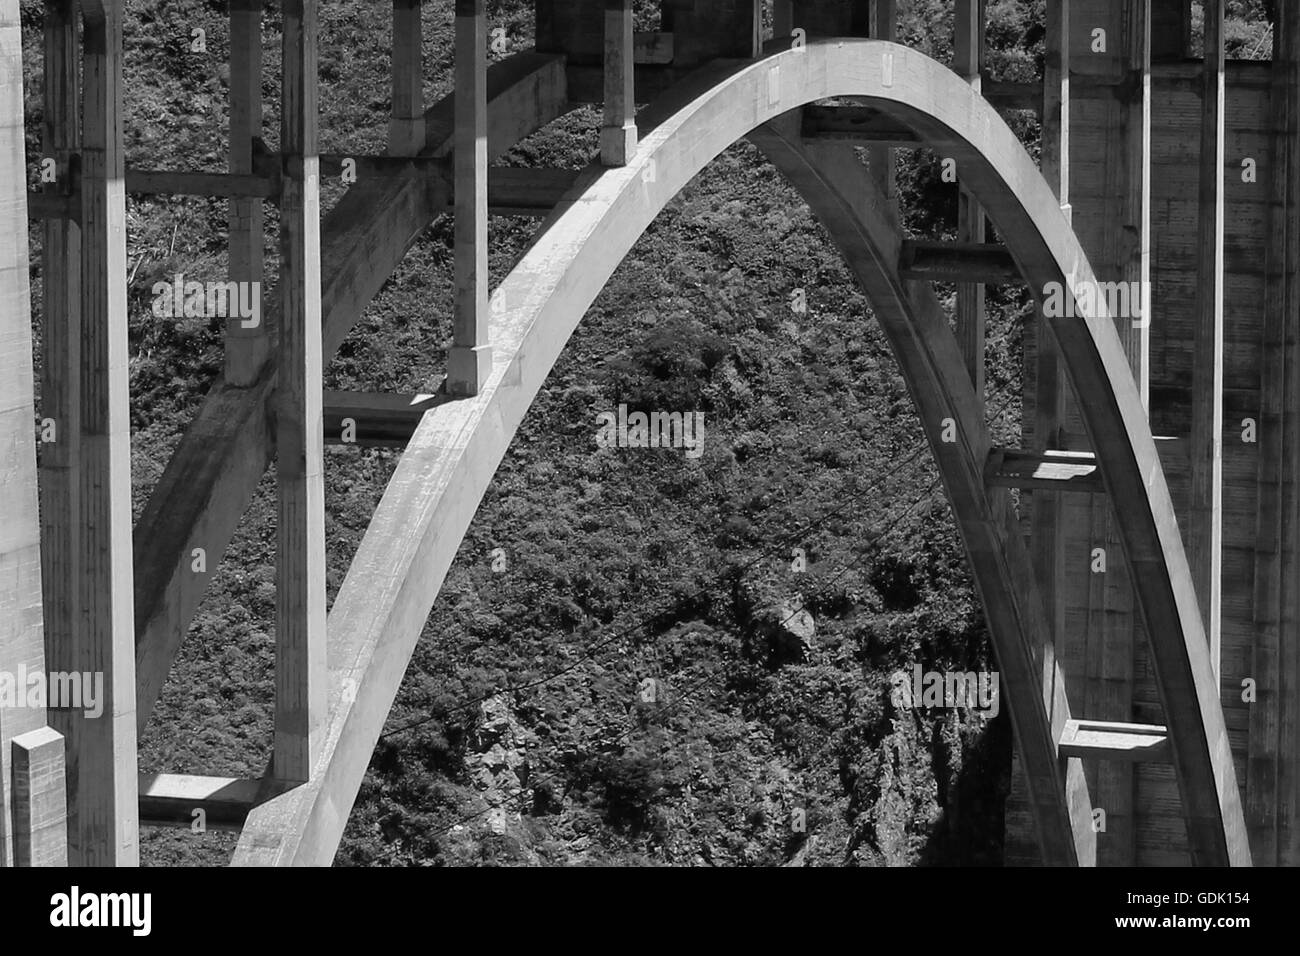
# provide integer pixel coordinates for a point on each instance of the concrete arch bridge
(1122, 685)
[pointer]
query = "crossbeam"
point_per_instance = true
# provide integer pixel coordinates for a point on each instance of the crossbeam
(370, 419)
(529, 192)
(984, 262)
(856, 124)
(214, 803)
(652, 46)
(1012, 95)
(1106, 740)
(1048, 471)
(186, 183)
(53, 205)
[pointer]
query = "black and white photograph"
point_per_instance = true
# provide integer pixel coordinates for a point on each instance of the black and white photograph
(620, 436)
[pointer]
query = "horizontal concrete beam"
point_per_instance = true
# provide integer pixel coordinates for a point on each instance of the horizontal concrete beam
(370, 419)
(984, 262)
(222, 803)
(1074, 440)
(1102, 740)
(1051, 470)
(512, 191)
(1008, 95)
(652, 47)
(586, 84)
(53, 205)
(363, 165)
(185, 183)
(856, 124)
(520, 191)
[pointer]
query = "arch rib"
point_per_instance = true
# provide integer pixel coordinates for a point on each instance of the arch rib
(449, 462)
(857, 216)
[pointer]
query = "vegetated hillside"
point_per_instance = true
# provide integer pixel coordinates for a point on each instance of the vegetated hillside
(637, 657)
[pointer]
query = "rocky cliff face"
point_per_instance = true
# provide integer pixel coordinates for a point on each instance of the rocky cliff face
(496, 761)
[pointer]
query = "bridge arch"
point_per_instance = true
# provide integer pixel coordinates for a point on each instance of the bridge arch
(450, 460)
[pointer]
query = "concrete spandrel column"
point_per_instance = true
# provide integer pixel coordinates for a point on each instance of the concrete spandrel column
(40, 799)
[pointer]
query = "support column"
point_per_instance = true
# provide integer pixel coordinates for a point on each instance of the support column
(883, 25)
(470, 360)
(1171, 30)
(968, 61)
(782, 18)
(1044, 408)
(1055, 150)
(104, 788)
(1047, 535)
(406, 125)
(247, 346)
(60, 460)
(1122, 627)
(1271, 788)
(1205, 540)
(22, 648)
(1110, 198)
(1285, 798)
(40, 799)
(300, 555)
(618, 131)
(1136, 262)
(755, 26)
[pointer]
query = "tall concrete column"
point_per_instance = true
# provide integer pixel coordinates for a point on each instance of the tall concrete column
(618, 130)
(40, 799)
(406, 124)
(104, 784)
(968, 61)
(1272, 782)
(1205, 540)
(1049, 394)
(470, 361)
(60, 410)
(300, 672)
(1110, 188)
(247, 345)
(22, 649)
(883, 25)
